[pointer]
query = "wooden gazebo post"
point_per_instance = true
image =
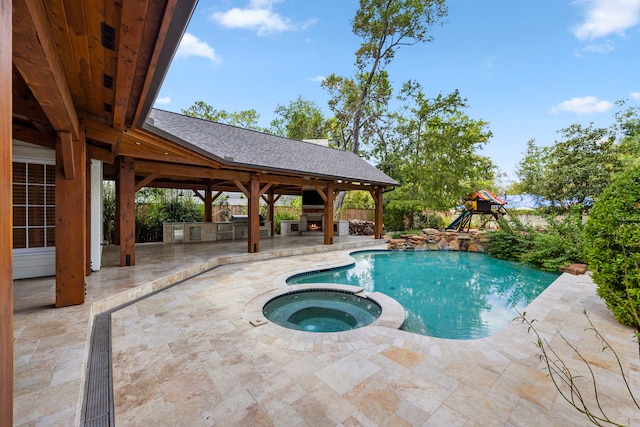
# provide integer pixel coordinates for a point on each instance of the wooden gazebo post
(271, 200)
(254, 215)
(6, 212)
(377, 228)
(70, 217)
(208, 204)
(328, 215)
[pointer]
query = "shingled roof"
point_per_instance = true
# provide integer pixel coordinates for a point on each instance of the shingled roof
(236, 147)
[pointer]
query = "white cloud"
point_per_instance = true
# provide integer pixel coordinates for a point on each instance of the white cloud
(606, 17)
(318, 79)
(163, 101)
(584, 105)
(604, 47)
(192, 46)
(258, 16)
(635, 95)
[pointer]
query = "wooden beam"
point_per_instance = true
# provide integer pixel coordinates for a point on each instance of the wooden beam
(198, 195)
(328, 215)
(254, 215)
(36, 58)
(377, 228)
(6, 225)
(271, 210)
(208, 204)
(169, 30)
(70, 228)
(66, 149)
(101, 132)
(265, 188)
(101, 154)
(126, 202)
(82, 45)
(24, 103)
(129, 41)
(242, 188)
(144, 182)
(33, 136)
(214, 198)
(172, 169)
(321, 193)
(149, 142)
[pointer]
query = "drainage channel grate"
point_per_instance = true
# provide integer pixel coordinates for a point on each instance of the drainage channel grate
(98, 401)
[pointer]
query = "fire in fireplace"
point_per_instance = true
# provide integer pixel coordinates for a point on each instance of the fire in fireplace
(314, 225)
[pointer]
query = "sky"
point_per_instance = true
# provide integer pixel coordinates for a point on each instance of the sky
(528, 68)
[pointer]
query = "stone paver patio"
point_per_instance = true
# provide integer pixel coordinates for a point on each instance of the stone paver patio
(189, 356)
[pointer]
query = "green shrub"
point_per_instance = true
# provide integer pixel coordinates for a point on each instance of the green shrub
(612, 241)
(511, 241)
(282, 216)
(559, 244)
(395, 215)
(430, 220)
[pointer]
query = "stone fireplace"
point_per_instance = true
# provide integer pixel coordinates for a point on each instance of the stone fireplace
(312, 217)
(311, 222)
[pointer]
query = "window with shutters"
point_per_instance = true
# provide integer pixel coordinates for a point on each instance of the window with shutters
(33, 205)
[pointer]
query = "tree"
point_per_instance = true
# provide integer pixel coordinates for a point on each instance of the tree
(530, 170)
(581, 166)
(573, 171)
(433, 153)
(301, 119)
(385, 26)
(247, 119)
(440, 163)
(628, 130)
(344, 101)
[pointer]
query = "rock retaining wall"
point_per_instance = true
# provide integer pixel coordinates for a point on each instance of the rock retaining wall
(438, 240)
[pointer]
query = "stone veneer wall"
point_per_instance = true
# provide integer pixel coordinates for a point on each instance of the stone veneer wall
(439, 240)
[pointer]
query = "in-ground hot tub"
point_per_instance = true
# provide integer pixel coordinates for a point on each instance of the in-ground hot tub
(321, 310)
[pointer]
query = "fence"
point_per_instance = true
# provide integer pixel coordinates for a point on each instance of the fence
(361, 214)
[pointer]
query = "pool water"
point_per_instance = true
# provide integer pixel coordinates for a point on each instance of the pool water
(445, 294)
(321, 310)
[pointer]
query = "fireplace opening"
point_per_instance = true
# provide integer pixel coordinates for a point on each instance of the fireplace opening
(314, 225)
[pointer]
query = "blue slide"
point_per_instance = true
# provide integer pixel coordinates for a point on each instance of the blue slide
(456, 222)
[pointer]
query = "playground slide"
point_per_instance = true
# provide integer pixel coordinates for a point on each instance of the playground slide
(457, 221)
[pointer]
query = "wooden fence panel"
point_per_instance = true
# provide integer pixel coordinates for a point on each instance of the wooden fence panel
(360, 214)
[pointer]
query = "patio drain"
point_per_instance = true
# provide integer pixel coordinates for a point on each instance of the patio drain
(98, 405)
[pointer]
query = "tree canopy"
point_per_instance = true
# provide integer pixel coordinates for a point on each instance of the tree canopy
(247, 119)
(433, 152)
(384, 26)
(301, 119)
(574, 170)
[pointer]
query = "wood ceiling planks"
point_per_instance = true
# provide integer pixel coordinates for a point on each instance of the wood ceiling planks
(103, 53)
(130, 39)
(79, 38)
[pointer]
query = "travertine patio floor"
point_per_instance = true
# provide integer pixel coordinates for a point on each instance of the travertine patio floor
(189, 356)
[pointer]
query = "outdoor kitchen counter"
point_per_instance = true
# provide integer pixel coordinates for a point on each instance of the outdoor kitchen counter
(190, 232)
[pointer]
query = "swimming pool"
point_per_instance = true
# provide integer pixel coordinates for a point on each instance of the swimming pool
(445, 294)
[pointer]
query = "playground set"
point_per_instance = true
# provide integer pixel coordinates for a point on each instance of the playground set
(482, 202)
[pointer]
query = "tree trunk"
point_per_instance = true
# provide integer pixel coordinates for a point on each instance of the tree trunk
(337, 204)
